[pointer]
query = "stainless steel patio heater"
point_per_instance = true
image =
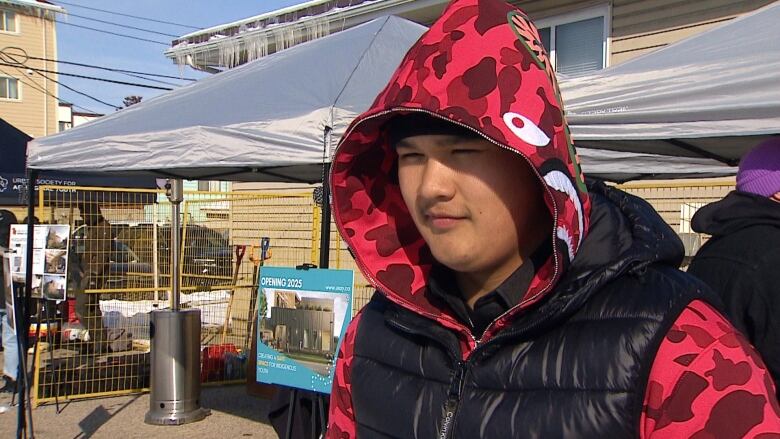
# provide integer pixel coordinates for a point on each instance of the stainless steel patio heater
(175, 346)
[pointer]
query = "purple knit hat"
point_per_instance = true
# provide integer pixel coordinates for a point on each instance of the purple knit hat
(759, 170)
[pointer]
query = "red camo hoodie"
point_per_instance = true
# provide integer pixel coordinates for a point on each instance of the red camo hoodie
(482, 66)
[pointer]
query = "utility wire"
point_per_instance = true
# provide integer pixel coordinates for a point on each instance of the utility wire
(23, 53)
(132, 75)
(131, 16)
(112, 33)
(79, 92)
(35, 86)
(134, 84)
(111, 69)
(122, 25)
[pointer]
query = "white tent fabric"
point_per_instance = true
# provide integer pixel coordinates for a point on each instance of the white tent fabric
(271, 119)
(276, 118)
(715, 94)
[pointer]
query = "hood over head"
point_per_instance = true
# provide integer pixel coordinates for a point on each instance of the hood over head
(482, 67)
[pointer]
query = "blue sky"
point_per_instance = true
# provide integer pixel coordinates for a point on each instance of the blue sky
(85, 46)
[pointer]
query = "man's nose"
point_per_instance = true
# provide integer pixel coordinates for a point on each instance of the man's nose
(437, 181)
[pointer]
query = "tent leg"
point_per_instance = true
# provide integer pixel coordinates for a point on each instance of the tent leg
(23, 306)
(325, 218)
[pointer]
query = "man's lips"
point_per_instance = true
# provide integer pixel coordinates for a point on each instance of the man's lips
(443, 220)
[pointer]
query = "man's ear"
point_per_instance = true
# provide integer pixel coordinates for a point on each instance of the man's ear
(775, 197)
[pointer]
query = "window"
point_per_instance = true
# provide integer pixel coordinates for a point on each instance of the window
(64, 126)
(577, 42)
(7, 21)
(9, 88)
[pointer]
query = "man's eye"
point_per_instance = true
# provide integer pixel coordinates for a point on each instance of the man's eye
(410, 156)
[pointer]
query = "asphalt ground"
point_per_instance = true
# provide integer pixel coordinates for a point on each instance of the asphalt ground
(234, 414)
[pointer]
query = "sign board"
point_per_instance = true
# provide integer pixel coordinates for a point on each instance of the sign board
(13, 187)
(302, 317)
(50, 258)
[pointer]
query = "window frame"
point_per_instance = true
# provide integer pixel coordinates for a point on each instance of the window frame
(18, 89)
(598, 11)
(3, 12)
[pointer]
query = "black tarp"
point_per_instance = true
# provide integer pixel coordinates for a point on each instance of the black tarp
(13, 178)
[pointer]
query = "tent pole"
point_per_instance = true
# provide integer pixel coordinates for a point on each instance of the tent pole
(22, 308)
(325, 218)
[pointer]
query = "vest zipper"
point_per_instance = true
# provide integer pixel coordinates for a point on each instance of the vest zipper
(453, 401)
(456, 383)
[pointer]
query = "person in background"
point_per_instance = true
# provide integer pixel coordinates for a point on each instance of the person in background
(90, 270)
(10, 349)
(741, 261)
(513, 300)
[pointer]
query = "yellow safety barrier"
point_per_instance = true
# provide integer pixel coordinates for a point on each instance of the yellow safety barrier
(120, 269)
(97, 342)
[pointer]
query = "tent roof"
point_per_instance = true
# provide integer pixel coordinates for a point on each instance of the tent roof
(266, 120)
(276, 118)
(715, 94)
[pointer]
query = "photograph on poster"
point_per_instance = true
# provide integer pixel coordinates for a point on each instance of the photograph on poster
(304, 325)
(55, 261)
(57, 237)
(54, 287)
(37, 279)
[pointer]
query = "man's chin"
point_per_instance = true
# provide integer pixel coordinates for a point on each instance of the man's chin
(459, 264)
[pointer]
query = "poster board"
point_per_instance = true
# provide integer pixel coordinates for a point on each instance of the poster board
(302, 317)
(8, 288)
(50, 258)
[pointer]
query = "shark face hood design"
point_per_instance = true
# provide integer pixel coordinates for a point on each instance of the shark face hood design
(481, 66)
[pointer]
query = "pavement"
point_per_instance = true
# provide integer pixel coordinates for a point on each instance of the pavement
(234, 414)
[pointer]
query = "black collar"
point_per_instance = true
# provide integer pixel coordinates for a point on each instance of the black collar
(442, 285)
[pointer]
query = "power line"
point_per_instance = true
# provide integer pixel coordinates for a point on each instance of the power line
(122, 25)
(134, 84)
(34, 86)
(112, 33)
(131, 16)
(123, 72)
(111, 69)
(23, 53)
(79, 92)
(149, 79)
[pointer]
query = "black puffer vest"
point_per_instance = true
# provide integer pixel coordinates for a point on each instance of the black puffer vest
(574, 366)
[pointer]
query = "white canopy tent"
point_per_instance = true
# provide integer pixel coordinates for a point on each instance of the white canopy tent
(277, 118)
(714, 95)
(273, 119)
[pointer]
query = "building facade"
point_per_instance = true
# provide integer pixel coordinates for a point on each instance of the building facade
(303, 326)
(28, 39)
(67, 118)
(581, 35)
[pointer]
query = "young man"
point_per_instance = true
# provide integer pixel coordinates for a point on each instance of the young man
(512, 300)
(741, 260)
